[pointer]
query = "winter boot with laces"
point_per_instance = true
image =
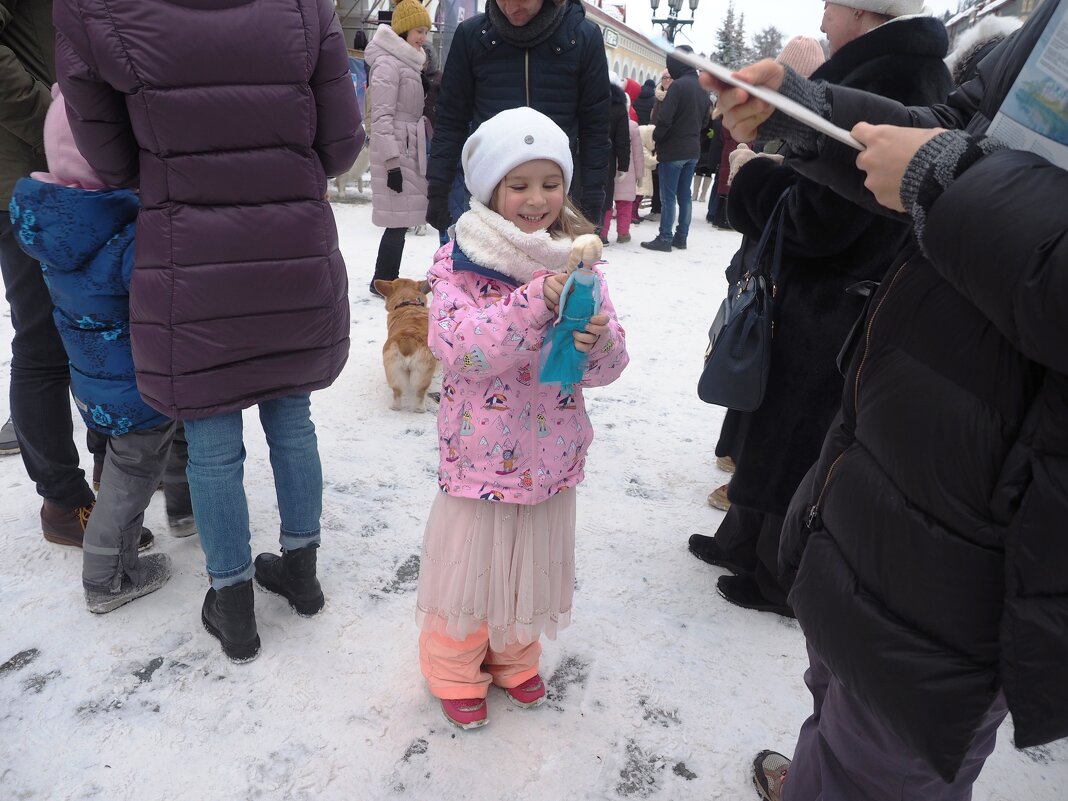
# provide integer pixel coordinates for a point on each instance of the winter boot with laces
(229, 615)
(64, 526)
(292, 575)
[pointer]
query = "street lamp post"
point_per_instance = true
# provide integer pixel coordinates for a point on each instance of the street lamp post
(671, 22)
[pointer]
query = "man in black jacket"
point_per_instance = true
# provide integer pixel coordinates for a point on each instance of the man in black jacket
(677, 135)
(40, 371)
(539, 53)
(927, 547)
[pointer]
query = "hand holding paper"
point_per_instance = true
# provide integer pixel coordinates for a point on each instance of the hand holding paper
(743, 114)
(749, 96)
(888, 151)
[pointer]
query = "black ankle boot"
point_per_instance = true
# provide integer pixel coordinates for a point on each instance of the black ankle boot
(230, 617)
(292, 575)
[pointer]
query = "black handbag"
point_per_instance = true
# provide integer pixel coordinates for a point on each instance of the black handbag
(739, 341)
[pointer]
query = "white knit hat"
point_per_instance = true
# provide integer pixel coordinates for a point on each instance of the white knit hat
(889, 8)
(507, 140)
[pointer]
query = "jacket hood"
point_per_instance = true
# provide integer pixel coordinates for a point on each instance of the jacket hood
(386, 41)
(676, 69)
(46, 230)
(917, 37)
(619, 97)
(647, 88)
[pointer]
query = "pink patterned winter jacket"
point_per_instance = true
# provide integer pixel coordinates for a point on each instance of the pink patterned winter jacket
(503, 436)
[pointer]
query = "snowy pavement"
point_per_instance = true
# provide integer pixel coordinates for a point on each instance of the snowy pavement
(658, 690)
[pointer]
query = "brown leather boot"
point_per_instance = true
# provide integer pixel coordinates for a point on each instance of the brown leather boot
(65, 526)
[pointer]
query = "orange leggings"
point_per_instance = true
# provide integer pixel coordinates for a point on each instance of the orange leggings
(457, 669)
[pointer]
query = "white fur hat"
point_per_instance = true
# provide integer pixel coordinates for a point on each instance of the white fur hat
(889, 8)
(507, 140)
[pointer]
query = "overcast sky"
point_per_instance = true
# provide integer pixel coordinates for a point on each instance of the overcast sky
(792, 17)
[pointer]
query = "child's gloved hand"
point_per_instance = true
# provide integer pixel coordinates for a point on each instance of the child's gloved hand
(586, 249)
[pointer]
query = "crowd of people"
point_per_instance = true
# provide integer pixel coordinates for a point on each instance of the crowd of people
(170, 260)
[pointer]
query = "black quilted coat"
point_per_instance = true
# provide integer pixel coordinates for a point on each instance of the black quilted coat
(929, 541)
(564, 77)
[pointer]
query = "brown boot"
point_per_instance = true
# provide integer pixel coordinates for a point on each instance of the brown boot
(65, 526)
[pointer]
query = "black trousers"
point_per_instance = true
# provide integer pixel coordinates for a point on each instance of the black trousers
(751, 539)
(40, 381)
(390, 250)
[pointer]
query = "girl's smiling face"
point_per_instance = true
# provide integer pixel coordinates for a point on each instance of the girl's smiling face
(532, 195)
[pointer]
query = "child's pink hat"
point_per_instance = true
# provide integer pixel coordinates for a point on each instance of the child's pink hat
(66, 165)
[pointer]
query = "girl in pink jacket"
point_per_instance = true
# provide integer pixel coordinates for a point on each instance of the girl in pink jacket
(498, 559)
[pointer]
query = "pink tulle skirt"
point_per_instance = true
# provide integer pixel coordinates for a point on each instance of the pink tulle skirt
(508, 566)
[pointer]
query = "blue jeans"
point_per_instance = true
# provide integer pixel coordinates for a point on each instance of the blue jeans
(713, 202)
(676, 183)
(216, 484)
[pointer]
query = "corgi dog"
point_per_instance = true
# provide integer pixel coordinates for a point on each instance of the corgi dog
(407, 360)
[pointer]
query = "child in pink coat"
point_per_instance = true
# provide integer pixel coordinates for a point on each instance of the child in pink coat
(626, 188)
(498, 561)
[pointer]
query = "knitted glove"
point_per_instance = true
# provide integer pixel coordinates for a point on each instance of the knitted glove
(394, 180)
(437, 207)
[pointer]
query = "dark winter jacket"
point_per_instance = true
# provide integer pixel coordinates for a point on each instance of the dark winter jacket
(682, 115)
(829, 244)
(564, 77)
(643, 105)
(27, 72)
(929, 540)
(84, 242)
(619, 133)
(239, 289)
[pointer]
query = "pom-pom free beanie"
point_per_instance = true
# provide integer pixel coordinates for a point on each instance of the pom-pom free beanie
(407, 15)
(803, 55)
(507, 140)
(66, 165)
(888, 8)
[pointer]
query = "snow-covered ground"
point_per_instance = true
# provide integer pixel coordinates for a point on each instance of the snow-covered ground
(659, 689)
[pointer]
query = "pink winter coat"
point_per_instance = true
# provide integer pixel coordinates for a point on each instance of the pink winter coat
(502, 435)
(398, 129)
(627, 187)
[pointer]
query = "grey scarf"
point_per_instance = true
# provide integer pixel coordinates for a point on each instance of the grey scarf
(544, 24)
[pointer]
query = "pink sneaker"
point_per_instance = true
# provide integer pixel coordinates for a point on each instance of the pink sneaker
(528, 694)
(467, 713)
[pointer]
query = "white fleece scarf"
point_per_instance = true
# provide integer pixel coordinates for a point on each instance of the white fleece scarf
(491, 241)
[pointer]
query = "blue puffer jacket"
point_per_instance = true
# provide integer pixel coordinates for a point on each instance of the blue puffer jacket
(84, 242)
(565, 77)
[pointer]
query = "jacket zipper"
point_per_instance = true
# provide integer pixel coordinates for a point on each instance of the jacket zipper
(526, 74)
(814, 522)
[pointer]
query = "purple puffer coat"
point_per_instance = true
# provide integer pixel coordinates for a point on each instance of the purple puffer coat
(398, 129)
(230, 114)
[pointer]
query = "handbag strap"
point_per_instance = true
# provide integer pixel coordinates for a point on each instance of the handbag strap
(773, 225)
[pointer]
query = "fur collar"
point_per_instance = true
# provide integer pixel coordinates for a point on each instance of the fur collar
(491, 241)
(389, 42)
(913, 36)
